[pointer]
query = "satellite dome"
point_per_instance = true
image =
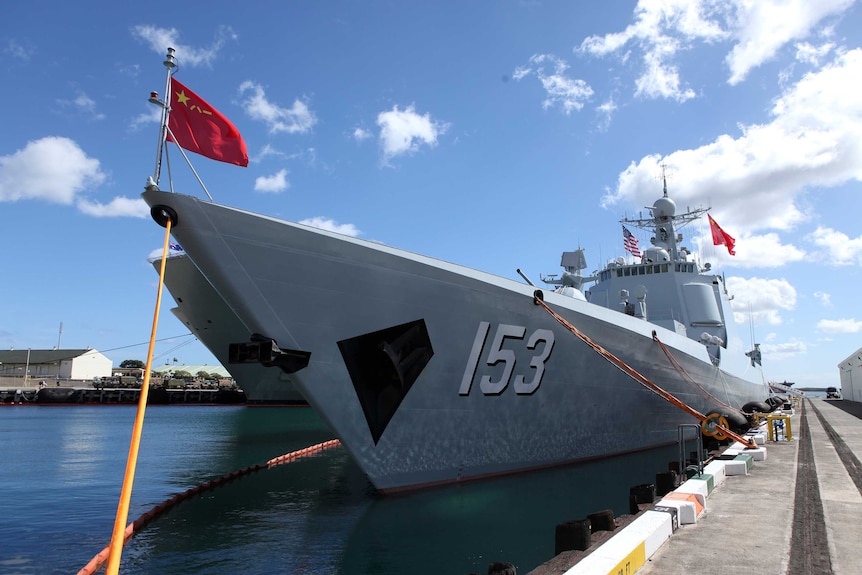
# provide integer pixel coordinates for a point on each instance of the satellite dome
(664, 208)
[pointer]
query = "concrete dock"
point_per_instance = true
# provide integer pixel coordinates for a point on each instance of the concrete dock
(798, 512)
(792, 508)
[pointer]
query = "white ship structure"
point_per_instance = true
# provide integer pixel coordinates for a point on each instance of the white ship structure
(200, 308)
(430, 372)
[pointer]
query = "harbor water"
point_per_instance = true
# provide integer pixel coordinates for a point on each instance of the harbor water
(62, 470)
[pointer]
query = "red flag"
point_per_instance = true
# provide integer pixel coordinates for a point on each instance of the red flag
(719, 236)
(198, 127)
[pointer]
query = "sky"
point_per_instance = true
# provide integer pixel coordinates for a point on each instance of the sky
(491, 134)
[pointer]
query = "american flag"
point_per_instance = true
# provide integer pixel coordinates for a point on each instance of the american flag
(631, 243)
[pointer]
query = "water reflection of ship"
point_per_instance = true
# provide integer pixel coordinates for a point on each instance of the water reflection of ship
(462, 528)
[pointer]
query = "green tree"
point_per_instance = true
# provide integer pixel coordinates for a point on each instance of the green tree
(132, 363)
(203, 374)
(181, 374)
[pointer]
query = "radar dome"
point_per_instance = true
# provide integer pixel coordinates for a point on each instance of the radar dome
(664, 208)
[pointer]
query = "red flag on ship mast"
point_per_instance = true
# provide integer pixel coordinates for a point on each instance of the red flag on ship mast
(197, 127)
(719, 236)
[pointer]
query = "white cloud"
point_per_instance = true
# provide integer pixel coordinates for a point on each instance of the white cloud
(18, 51)
(402, 132)
(824, 298)
(153, 116)
(839, 248)
(775, 351)
(813, 55)
(297, 119)
(119, 206)
(53, 169)
(569, 93)
(749, 248)
(662, 29)
(332, 226)
(606, 111)
(270, 151)
(160, 39)
(272, 184)
(813, 140)
(760, 300)
(83, 104)
(763, 27)
(839, 325)
(360, 134)
(661, 80)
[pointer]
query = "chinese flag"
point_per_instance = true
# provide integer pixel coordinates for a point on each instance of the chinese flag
(719, 236)
(198, 127)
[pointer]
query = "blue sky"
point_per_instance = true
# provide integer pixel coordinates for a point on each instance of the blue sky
(490, 134)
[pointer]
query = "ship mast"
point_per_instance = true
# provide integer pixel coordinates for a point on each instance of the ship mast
(665, 222)
(170, 63)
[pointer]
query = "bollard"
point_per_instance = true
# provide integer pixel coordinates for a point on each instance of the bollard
(633, 505)
(572, 535)
(602, 520)
(501, 568)
(665, 482)
(643, 493)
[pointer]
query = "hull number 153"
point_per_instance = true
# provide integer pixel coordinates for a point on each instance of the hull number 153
(499, 353)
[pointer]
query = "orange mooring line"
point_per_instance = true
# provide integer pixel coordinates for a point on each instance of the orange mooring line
(689, 379)
(635, 375)
(118, 537)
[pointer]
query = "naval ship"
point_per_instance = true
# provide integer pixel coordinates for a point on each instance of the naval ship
(205, 314)
(430, 372)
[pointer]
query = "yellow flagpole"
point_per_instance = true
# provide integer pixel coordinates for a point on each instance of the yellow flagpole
(118, 537)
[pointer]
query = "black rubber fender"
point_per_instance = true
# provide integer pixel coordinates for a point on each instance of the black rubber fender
(757, 407)
(774, 402)
(729, 418)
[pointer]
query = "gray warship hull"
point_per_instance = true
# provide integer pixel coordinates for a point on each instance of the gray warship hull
(208, 317)
(430, 372)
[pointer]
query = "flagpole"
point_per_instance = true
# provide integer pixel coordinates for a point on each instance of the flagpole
(170, 63)
(191, 167)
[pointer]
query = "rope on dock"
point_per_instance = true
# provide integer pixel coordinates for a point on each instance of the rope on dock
(97, 562)
(719, 427)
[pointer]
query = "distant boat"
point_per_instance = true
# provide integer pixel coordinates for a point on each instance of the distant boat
(205, 314)
(430, 372)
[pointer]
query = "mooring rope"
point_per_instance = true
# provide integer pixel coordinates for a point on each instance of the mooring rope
(689, 379)
(720, 426)
(97, 562)
(115, 549)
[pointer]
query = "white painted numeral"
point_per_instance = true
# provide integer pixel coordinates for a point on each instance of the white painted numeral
(473, 361)
(498, 353)
(538, 361)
